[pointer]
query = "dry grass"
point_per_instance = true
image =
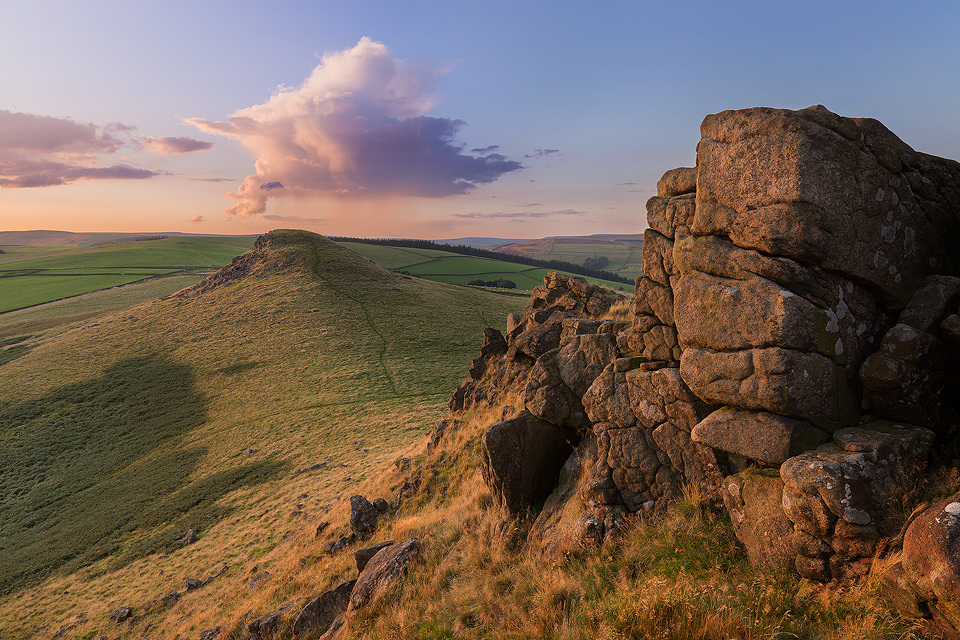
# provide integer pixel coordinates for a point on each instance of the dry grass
(677, 576)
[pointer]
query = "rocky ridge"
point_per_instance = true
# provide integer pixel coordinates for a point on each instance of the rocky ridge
(793, 355)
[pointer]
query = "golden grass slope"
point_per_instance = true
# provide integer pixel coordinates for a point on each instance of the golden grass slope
(199, 411)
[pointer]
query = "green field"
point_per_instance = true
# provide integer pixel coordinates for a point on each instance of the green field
(35, 275)
(624, 254)
(454, 268)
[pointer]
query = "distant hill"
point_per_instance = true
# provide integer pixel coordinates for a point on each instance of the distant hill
(622, 251)
(481, 242)
(45, 238)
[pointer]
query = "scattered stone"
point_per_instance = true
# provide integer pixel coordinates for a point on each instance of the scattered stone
(363, 556)
(258, 580)
(321, 612)
(194, 584)
(189, 538)
(121, 614)
(381, 505)
(210, 634)
(363, 516)
(314, 467)
(267, 625)
(381, 572)
(323, 526)
(340, 544)
(406, 491)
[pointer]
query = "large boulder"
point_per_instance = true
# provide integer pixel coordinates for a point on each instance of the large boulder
(931, 564)
(521, 460)
(837, 495)
(320, 612)
(380, 573)
(753, 499)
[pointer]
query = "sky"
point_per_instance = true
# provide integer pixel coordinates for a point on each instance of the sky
(517, 119)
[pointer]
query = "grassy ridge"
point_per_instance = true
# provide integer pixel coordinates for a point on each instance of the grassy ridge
(35, 275)
(230, 392)
(453, 268)
(624, 253)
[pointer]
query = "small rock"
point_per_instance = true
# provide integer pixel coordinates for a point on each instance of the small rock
(340, 544)
(407, 490)
(258, 580)
(313, 467)
(382, 505)
(189, 538)
(211, 633)
(121, 614)
(323, 526)
(266, 626)
(363, 516)
(193, 584)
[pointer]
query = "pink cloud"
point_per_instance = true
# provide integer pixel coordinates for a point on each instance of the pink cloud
(356, 127)
(166, 145)
(43, 151)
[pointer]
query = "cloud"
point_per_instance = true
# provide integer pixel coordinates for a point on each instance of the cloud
(166, 145)
(519, 214)
(44, 151)
(211, 179)
(483, 151)
(197, 219)
(356, 127)
(540, 153)
(297, 219)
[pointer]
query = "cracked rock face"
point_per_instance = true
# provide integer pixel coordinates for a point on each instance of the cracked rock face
(800, 287)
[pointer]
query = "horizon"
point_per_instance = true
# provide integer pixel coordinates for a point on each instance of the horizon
(387, 121)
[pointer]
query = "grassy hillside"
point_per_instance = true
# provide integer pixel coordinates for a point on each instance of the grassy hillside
(624, 252)
(442, 266)
(35, 275)
(199, 411)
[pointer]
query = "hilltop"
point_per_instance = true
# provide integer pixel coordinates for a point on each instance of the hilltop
(199, 410)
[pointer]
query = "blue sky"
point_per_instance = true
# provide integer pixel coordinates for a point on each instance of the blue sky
(610, 93)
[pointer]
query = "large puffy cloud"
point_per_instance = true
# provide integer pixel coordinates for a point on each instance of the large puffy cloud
(356, 127)
(43, 151)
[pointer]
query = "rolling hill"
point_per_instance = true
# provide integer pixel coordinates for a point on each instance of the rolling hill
(199, 411)
(623, 252)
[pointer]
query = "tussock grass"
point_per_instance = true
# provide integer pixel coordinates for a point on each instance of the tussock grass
(678, 575)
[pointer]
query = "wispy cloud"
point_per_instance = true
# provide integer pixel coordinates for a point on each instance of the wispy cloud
(519, 214)
(197, 219)
(211, 179)
(542, 153)
(179, 145)
(357, 126)
(44, 151)
(297, 219)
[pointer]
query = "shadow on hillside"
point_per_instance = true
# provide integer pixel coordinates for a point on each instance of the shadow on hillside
(87, 465)
(13, 348)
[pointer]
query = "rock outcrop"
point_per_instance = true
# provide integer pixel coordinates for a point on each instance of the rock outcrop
(792, 350)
